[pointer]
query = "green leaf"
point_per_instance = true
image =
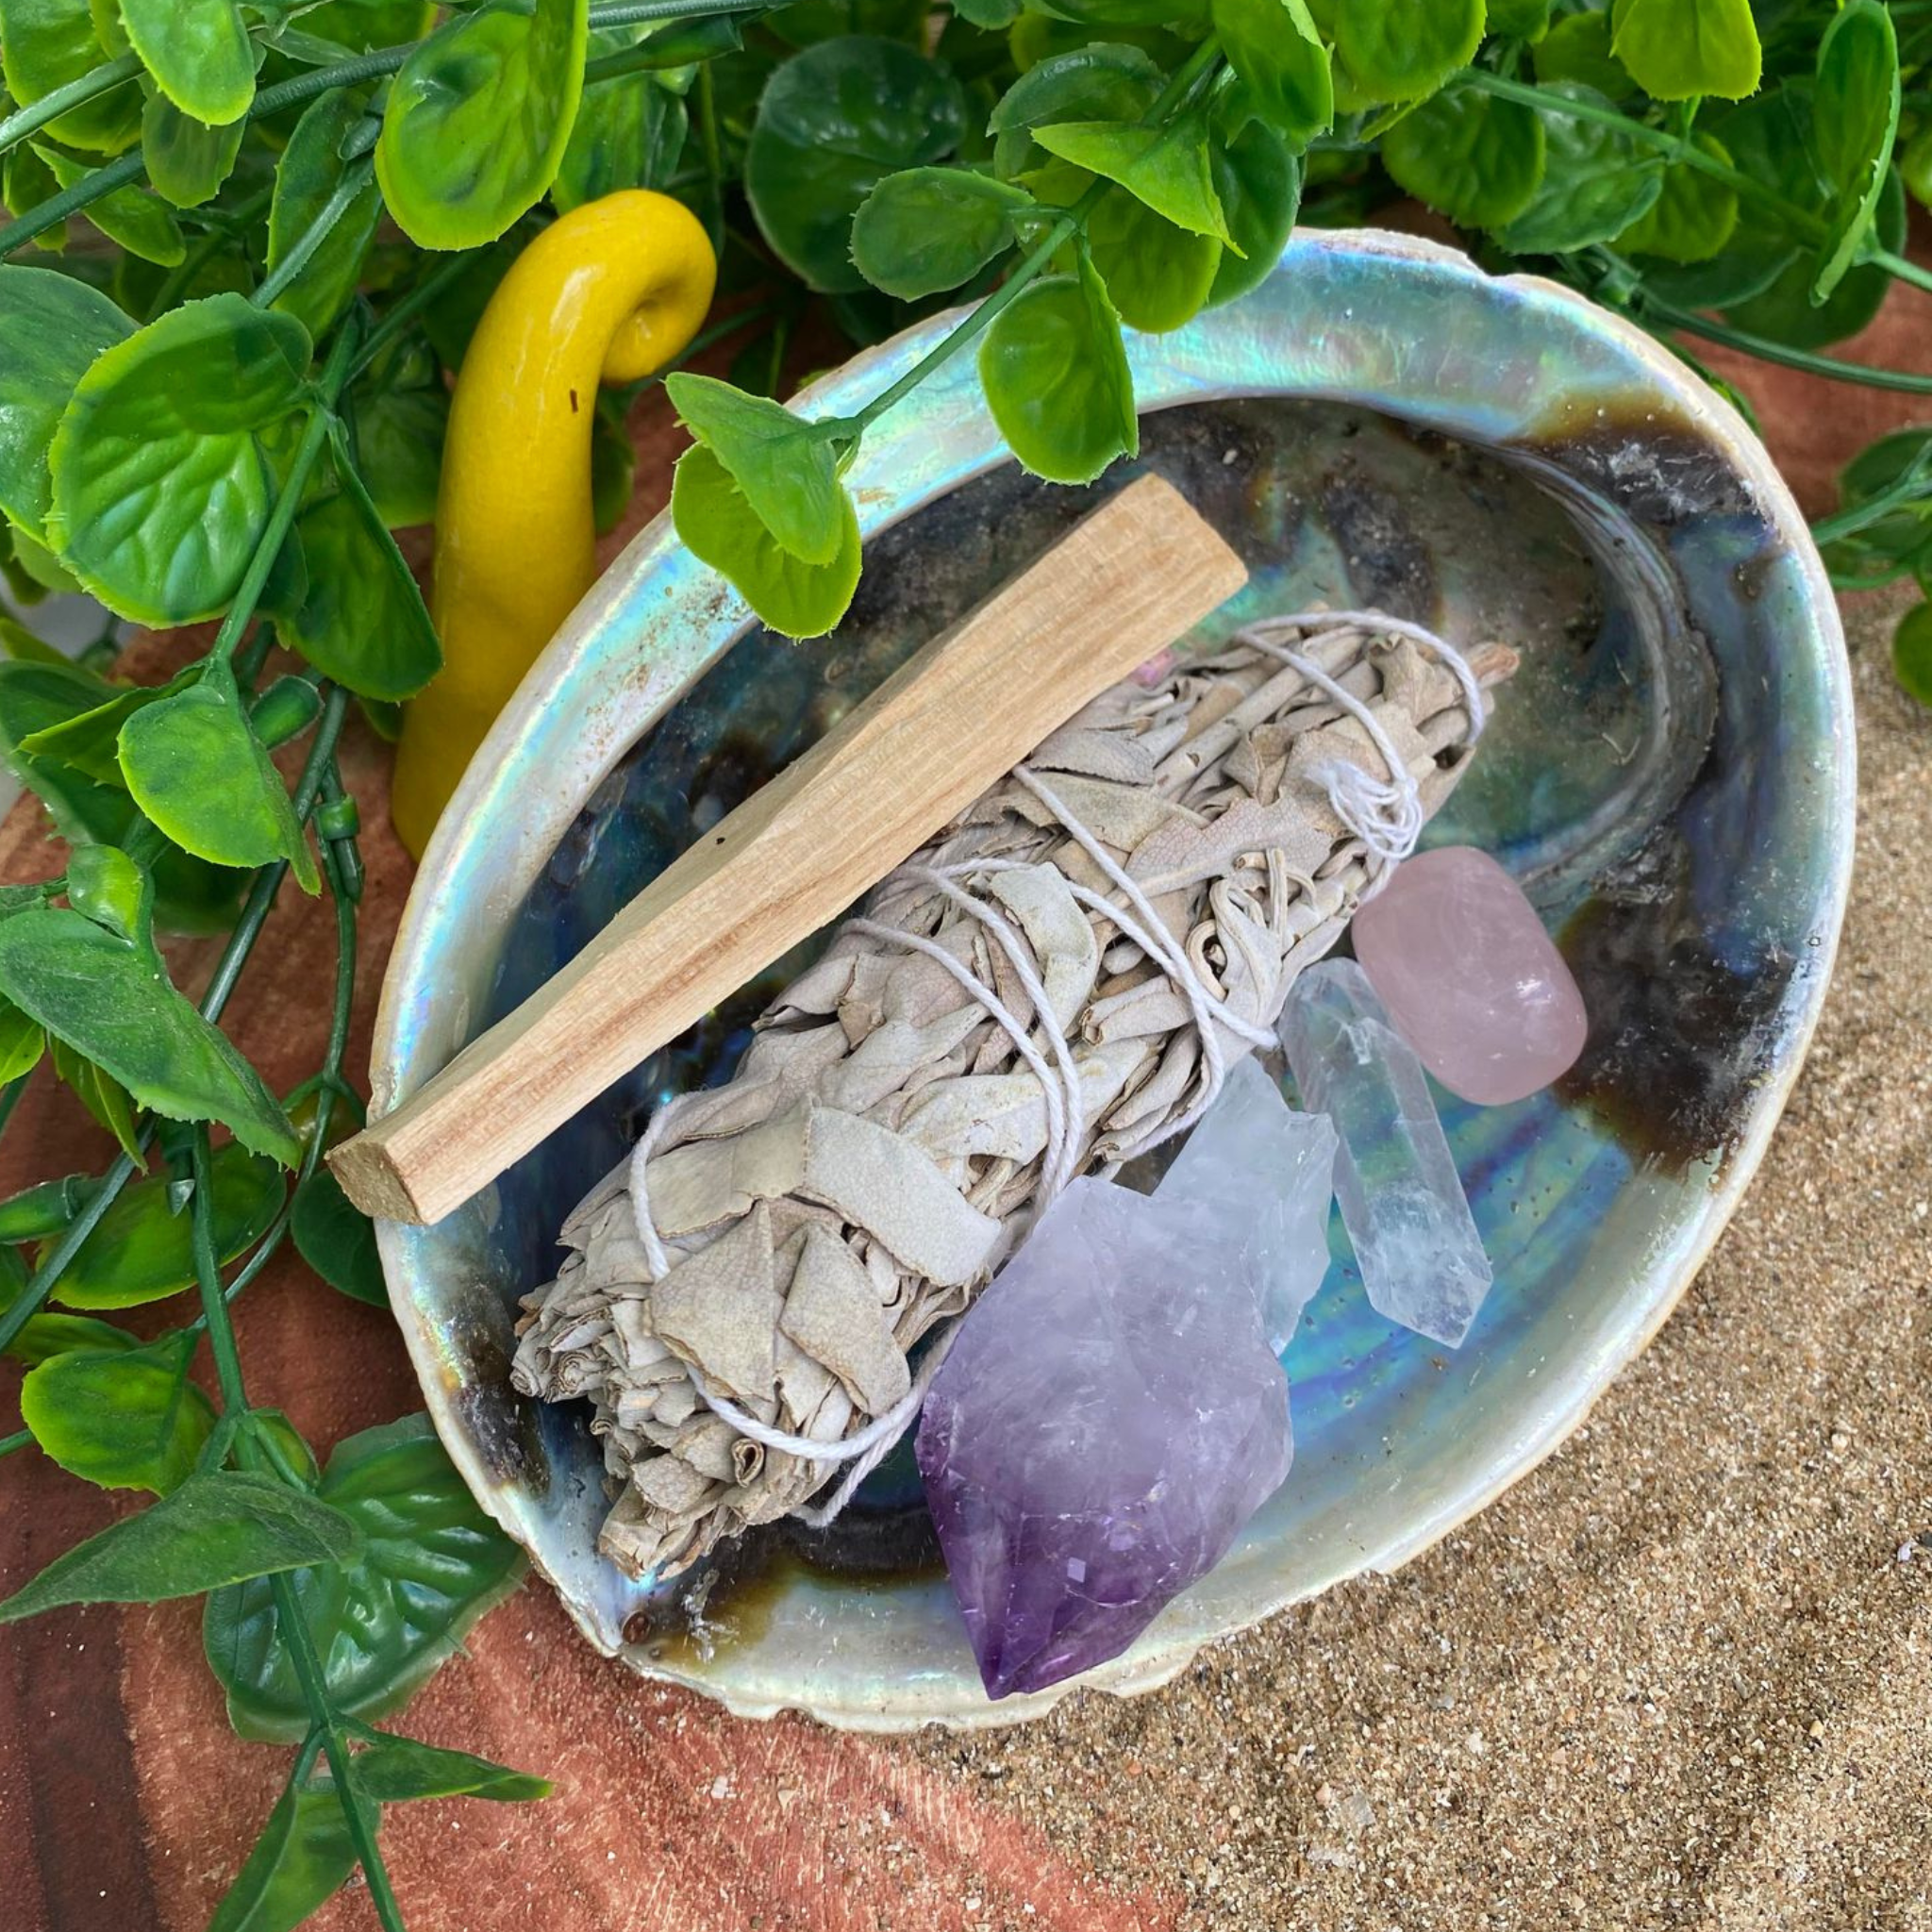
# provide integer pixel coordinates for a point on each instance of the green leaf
(187, 160)
(338, 1239)
(89, 742)
(219, 1527)
(1158, 275)
(1477, 158)
(22, 1043)
(925, 230)
(47, 1335)
(363, 622)
(46, 43)
(1275, 48)
(51, 329)
(108, 887)
(1678, 50)
(1694, 217)
(1855, 115)
(832, 122)
(478, 119)
(162, 487)
(1106, 82)
(141, 1251)
(385, 1620)
(784, 466)
(1785, 309)
(629, 133)
(1596, 182)
(1577, 48)
(394, 1770)
(1911, 652)
(719, 528)
(399, 434)
(1259, 182)
(142, 222)
(1401, 50)
(121, 1419)
(112, 1002)
(105, 1098)
(1519, 20)
(303, 1858)
(1055, 372)
(1165, 167)
(194, 765)
(198, 52)
(1915, 165)
(310, 171)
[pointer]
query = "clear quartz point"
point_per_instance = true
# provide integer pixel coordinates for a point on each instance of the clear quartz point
(1402, 1200)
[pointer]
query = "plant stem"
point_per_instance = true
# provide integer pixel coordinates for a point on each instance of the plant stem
(1909, 484)
(9, 1097)
(313, 436)
(77, 93)
(405, 310)
(291, 1625)
(212, 243)
(1899, 268)
(714, 165)
(35, 1293)
(298, 257)
(19, 1440)
(982, 317)
(70, 201)
(1831, 367)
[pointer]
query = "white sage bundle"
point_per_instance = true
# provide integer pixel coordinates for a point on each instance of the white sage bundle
(1055, 983)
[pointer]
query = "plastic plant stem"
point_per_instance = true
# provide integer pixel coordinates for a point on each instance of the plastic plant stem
(291, 1627)
(75, 93)
(1180, 87)
(240, 945)
(19, 1440)
(1832, 368)
(611, 290)
(313, 236)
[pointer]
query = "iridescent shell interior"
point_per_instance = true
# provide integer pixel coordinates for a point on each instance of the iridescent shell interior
(1670, 777)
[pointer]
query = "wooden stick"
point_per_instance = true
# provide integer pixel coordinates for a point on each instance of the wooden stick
(1119, 587)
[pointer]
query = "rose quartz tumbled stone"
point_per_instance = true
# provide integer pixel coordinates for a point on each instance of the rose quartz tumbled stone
(1470, 977)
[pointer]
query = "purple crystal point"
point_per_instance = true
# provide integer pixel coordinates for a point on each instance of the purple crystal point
(1107, 1420)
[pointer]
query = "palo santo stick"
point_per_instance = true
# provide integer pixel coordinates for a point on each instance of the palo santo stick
(1120, 586)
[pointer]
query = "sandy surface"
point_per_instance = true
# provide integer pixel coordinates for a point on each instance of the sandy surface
(1682, 1675)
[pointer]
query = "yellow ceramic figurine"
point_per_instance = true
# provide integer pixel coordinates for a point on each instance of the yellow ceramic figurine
(612, 290)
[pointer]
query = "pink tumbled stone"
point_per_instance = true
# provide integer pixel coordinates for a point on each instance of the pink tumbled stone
(1470, 977)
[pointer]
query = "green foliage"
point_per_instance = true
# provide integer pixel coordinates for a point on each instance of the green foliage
(1056, 376)
(163, 476)
(46, 44)
(309, 173)
(428, 1565)
(338, 1239)
(1596, 182)
(1401, 50)
(110, 1000)
(1677, 50)
(124, 1419)
(925, 230)
(1278, 52)
(833, 121)
(218, 1528)
(1166, 168)
(198, 52)
(1911, 652)
(187, 160)
(140, 1253)
(301, 1860)
(1477, 158)
(1854, 116)
(394, 1770)
(478, 118)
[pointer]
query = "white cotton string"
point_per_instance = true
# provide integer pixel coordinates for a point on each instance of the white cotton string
(1385, 814)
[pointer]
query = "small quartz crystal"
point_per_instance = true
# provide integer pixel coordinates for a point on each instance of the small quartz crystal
(1112, 1411)
(1422, 1260)
(1470, 977)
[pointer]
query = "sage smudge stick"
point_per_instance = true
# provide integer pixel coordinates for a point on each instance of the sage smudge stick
(886, 1142)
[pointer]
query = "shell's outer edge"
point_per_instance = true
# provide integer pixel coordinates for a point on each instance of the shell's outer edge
(409, 992)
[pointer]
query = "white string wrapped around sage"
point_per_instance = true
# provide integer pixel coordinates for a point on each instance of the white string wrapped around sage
(1055, 983)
